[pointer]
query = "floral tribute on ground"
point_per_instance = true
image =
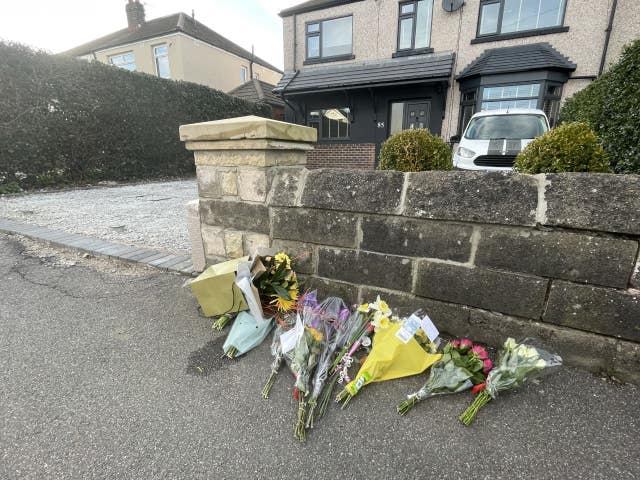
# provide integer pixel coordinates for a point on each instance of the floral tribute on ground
(328, 346)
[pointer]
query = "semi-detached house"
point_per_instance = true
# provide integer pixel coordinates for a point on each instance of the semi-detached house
(361, 70)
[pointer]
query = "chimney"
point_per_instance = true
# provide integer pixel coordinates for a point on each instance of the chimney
(135, 14)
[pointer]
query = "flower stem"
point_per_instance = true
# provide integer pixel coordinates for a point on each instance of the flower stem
(405, 406)
(326, 394)
(346, 396)
(222, 322)
(232, 352)
(470, 413)
(311, 413)
(267, 388)
(300, 431)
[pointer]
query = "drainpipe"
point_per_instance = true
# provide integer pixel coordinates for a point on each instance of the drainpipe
(294, 40)
(285, 100)
(251, 64)
(608, 36)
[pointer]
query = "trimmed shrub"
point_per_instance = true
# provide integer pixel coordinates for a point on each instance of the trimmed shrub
(415, 151)
(64, 120)
(611, 106)
(571, 147)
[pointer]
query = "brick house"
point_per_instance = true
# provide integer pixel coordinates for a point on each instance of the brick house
(178, 47)
(361, 70)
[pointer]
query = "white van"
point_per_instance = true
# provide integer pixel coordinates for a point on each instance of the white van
(493, 138)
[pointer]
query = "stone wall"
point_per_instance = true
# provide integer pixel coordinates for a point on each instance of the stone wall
(343, 155)
(488, 255)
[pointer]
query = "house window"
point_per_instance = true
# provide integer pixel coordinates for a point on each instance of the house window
(551, 103)
(161, 55)
(243, 74)
(124, 60)
(332, 123)
(499, 17)
(467, 108)
(414, 25)
(510, 96)
(329, 38)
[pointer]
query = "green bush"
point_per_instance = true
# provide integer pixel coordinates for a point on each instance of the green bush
(611, 106)
(415, 151)
(64, 120)
(571, 147)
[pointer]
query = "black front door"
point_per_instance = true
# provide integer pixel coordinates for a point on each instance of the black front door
(416, 115)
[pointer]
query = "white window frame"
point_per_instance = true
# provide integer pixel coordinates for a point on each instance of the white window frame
(244, 74)
(164, 55)
(123, 65)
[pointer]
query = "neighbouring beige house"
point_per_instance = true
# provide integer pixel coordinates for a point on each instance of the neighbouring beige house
(361, 70)
(177, 47)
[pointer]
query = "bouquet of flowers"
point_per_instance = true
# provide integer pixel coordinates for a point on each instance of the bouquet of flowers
(390, 358)
(245, 334)
(516, 363)
(277, 284)
(305, 357)
(333, 313)
(462, 365)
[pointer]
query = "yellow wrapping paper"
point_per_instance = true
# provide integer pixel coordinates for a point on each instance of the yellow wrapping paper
(391, 358)
(216, 289)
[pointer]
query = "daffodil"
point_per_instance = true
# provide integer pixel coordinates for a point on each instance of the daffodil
(364, 308)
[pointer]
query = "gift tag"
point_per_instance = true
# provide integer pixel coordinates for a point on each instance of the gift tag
(289, 339)
(408, 329)
(429, 328)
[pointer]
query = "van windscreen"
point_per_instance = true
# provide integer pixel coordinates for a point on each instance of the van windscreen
(506, 126)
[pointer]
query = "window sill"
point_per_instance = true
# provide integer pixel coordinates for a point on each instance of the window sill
(408, 53)
(528, 33)
(338, 58)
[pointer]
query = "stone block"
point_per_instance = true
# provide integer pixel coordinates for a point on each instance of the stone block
(569, 256)
(510, 293)
(315, 226)
(331, 288)
(366, 268)
(252, 184)
(254, 242)
(253, 158)
(213, 239)
(286, 185)
(233, 244)
(416, 238)
(249, 127)
(594, 201)
(251, 217)
(626, 363)
(209, 184)
(579, 349)
(353, 190)
(496, 197)
(404, 304)
(601, 310)
(635, 277)
(301, 254)
(229, 183)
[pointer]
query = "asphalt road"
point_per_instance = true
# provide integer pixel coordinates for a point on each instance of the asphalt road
(105, 375)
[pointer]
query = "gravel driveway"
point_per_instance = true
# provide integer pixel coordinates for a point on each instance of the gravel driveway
(146, 215)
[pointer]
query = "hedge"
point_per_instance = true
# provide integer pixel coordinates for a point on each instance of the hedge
(571, 147)
(415, 151)
(611, 107)
(64, 120)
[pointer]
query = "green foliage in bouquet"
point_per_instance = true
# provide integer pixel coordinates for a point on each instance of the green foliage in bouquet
(415, 151)
(572, 147)
(278, 285)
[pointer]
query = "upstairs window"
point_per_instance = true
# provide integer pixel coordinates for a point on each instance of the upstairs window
(161, 56)
(124, 60)
(329, 38)
(414, 25)
(332, 123)
(498, 17)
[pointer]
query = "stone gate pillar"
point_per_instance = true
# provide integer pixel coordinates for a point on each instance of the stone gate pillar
(236, 159)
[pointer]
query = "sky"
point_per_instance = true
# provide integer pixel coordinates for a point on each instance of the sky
(58, 25)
